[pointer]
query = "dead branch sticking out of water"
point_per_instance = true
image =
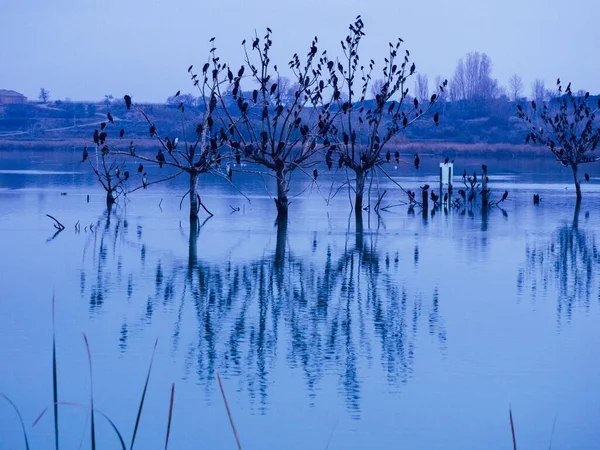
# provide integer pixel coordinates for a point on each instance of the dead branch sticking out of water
(59, 226)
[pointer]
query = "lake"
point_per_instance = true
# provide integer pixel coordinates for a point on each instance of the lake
(419, 332)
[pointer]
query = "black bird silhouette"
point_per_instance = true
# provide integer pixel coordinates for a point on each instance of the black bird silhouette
(504, 196)
(425, 187)
(329, 160)
(341, 161)
(315, 174)
(105, 150)
(110, 117)
(127, 99)
(388, 156)
(145, 180)
(446, 197)
(140, 168)
(169, 144)
(205, 67)
(121, 133)
(397, 157)
(587, 177)
(118, 172)
(447, 160)
(462, 193)
(411, 196)
(484, 169)
(160, 157)
(102, 125)
(238, 157)
(465, 174)
(474, 177)
(417, 161)
(177, 93)
(131, 149)
(434, 196)
(152, 130)
(229, 173)
(126, 174)
(85, 153)
(536, 199)
(96, 137)
(102, 137)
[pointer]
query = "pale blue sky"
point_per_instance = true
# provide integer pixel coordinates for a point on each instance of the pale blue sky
(84, 49)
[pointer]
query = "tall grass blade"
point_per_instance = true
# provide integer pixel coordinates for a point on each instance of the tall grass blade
(20, 418)
(88, 408)
(139, 414)
(54, 377)
(237, 438)
(170, 415)
(552, 433)
(87, 346)
(512, 428)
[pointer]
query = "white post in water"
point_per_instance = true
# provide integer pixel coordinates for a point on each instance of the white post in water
(446, 176)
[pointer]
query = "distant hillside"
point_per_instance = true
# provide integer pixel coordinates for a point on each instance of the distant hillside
(464, 126)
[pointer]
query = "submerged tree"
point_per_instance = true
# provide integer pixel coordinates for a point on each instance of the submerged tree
(365, 126)
(275, 125)
(568, 128)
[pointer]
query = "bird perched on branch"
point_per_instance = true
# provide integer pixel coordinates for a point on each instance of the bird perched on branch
(447, 160)
(425, 187)
(85, 153)
(587, 177)
(110, 117)
(464, 174)
(504, 196)
(434, 196)
(160, 157)
(315, 174)
(484, 169)
(145, 180)
(126, 175)
(417, 161)
(131, 149)
(388, 156)
(229, 173)
(140, 169)
(536, 199)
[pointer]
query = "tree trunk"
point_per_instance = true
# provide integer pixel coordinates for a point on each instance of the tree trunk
(576, 179)
(361, 176)
(282, 223)
(282, 188)
(194, 201)
(110, 198)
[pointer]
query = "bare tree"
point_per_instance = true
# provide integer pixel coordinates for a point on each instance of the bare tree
(364, 129)
(44, 95)
(473, 79)
(265, 126)
(570, 130)
(376, 87)
(422, 88)
(538, 90)
(515, 87)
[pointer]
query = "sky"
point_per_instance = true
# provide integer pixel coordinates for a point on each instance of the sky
(85, 49)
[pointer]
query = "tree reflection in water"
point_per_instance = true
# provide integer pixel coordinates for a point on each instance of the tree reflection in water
(330, 311)
(568, 261)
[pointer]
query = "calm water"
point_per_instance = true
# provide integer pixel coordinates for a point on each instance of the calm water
(417, 333)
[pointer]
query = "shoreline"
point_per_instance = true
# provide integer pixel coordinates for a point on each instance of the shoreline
(452, 149)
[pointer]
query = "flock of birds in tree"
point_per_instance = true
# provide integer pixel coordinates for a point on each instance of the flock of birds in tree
(465, 196)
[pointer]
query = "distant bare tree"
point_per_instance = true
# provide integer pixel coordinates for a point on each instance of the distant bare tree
(538, 90)
(569, 130)
(376, 87)
(44, 95)
(186, 99)
(515, 87)
(422, 87)
(473, 79)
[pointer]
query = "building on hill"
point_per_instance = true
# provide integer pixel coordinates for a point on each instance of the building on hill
(8, 97)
